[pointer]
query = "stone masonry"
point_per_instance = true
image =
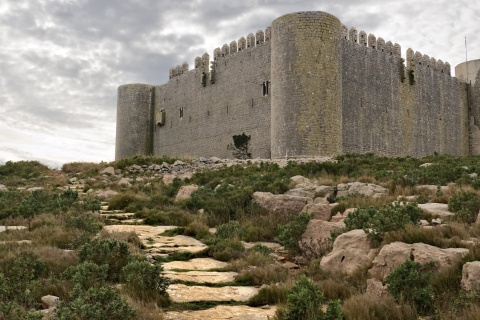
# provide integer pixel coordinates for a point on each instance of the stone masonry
(306, 86)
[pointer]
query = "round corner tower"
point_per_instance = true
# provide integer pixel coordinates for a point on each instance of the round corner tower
(306, 111)
(134, 121)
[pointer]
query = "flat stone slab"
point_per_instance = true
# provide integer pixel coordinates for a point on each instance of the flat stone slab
(270, 245)
(202, 264)
(149, 236)
(5, 228)
(182, 293)
(202, 276)
(436, 209)
(17, 242)
(224, 313)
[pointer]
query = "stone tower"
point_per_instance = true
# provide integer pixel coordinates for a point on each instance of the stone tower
(134, 121)
(306, 110)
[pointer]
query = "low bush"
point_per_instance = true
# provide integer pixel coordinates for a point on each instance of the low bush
(267, 295)
(95, 303)
(230, 230)
(465, 205)
(114, 253)
(144, 280)
(304, 301)
(290, 234)
(409, 283)
(378, 221)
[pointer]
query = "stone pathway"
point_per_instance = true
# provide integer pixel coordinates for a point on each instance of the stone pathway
(223, 312)
(200, 272)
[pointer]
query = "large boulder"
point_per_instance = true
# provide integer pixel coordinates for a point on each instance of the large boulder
(367, 189)
(185, 192)
(375, 288)
(317, 240)
(351, 250)
(320, 211)
(471, 276)
(436, 209)
(394, 254)
(108, 170)
(280, 204)
(49, 301)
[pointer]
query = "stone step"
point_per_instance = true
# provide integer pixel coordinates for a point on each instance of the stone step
(213, 277)
(224, 313)
(182, 293)
(203, 264)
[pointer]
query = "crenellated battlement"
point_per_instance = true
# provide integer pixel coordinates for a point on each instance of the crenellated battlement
(415, 60)
(242, 44)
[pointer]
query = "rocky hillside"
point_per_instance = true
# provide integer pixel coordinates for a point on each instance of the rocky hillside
(356, 237)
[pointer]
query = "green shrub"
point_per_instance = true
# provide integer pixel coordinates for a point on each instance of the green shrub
(334, 311)
(226, 249)
(408, 283)
(268, 295)
(141, 276)
(114, 253)
(378, 221)
(304, 301)
(230, 230)
(35, 203)
(96, 303)
(290, 234)
(20, 281)
(465, 205)
(91, 204)
(87, 275)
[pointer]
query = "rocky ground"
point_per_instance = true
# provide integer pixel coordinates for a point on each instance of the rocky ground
(209, 280)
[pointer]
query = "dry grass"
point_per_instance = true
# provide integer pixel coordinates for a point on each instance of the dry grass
(451, 235)
(145, 310)
(258, 276)
(364, 307)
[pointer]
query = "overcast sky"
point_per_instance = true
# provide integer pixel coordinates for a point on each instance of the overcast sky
(61, 61)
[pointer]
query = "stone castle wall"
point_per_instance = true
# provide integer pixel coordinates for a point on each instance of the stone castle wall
(394, 109)
(214, 112)
(307, 86)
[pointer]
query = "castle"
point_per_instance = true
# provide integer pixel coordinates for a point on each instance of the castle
(307, 86)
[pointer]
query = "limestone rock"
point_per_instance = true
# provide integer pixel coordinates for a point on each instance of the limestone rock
(300, 180)
(394, 254)
(3, 188)
(224, 312)
(427, 164)
(108, 170)
(280, 204)
(203, 264)
(105, 194)
(5, 228)
(351, 251)
(50, 301)
(182, 293)
(124, 182)
(316, 239)
(301, 192)
(376, 288)
(471, 276)
(202, 276)
(436, 209)
(320, 211)
(431, 188)
(367, 189)
(185, 192)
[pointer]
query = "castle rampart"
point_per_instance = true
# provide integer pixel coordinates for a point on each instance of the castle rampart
(306, 86)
